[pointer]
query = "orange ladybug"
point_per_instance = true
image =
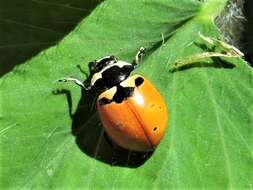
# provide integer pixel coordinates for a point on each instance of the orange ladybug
(132, 111)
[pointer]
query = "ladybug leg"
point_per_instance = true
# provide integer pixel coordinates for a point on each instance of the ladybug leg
(76, 81)
(138, 56)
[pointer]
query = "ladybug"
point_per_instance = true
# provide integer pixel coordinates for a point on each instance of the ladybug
(132, 111)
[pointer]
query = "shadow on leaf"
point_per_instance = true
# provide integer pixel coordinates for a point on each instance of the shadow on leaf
(24, 35)
(91, 137)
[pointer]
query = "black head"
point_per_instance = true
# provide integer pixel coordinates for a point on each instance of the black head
(103, 62)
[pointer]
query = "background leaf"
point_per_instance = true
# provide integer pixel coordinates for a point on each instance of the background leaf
(209, 141)
(27, 27)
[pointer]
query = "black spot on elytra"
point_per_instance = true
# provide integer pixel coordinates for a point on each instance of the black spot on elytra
(104, 101)
(139, 81)
(122, 93)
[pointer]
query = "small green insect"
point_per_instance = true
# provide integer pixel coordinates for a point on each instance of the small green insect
(226, 51)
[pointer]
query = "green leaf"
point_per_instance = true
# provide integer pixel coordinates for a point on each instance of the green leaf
(209, 140)
(25, 29)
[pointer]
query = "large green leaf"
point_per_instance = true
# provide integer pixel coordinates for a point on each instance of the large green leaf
(25, 29)
(209, 141)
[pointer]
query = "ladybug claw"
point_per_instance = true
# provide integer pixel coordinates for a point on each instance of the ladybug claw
(139, 56)
(70, 79)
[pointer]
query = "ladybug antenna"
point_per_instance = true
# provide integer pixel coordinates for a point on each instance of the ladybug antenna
(76, 81)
